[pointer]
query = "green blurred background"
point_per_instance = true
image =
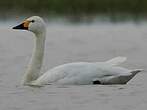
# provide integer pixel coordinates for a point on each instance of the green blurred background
(74, 8)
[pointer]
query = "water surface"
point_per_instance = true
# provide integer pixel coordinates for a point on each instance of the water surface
(98, 41)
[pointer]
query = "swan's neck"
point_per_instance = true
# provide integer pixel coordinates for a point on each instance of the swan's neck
(35, 64)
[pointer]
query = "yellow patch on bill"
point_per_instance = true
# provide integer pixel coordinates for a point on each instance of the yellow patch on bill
(26, 24)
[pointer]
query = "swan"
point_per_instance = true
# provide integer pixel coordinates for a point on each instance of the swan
(77, 73)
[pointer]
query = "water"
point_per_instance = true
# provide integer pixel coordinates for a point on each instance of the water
(70, 43)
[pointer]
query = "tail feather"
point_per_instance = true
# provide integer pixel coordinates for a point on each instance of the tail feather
(116, 61)
(134, 72)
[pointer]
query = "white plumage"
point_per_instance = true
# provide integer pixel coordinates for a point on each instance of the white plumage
(72, 73)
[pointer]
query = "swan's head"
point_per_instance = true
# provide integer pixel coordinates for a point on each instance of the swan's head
(34, 24)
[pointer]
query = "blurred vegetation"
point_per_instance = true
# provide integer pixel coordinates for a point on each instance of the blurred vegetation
(73, 7)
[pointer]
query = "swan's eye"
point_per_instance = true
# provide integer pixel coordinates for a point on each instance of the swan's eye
(33, 21)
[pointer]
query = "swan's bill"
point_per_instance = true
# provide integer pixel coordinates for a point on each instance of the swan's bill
(23, 26)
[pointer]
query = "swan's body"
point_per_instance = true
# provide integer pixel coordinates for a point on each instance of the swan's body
(86, 73)
(72, 73)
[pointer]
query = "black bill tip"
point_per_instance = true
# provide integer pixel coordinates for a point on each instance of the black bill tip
(21, 27)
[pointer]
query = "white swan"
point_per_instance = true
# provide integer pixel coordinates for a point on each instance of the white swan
(73, 73)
